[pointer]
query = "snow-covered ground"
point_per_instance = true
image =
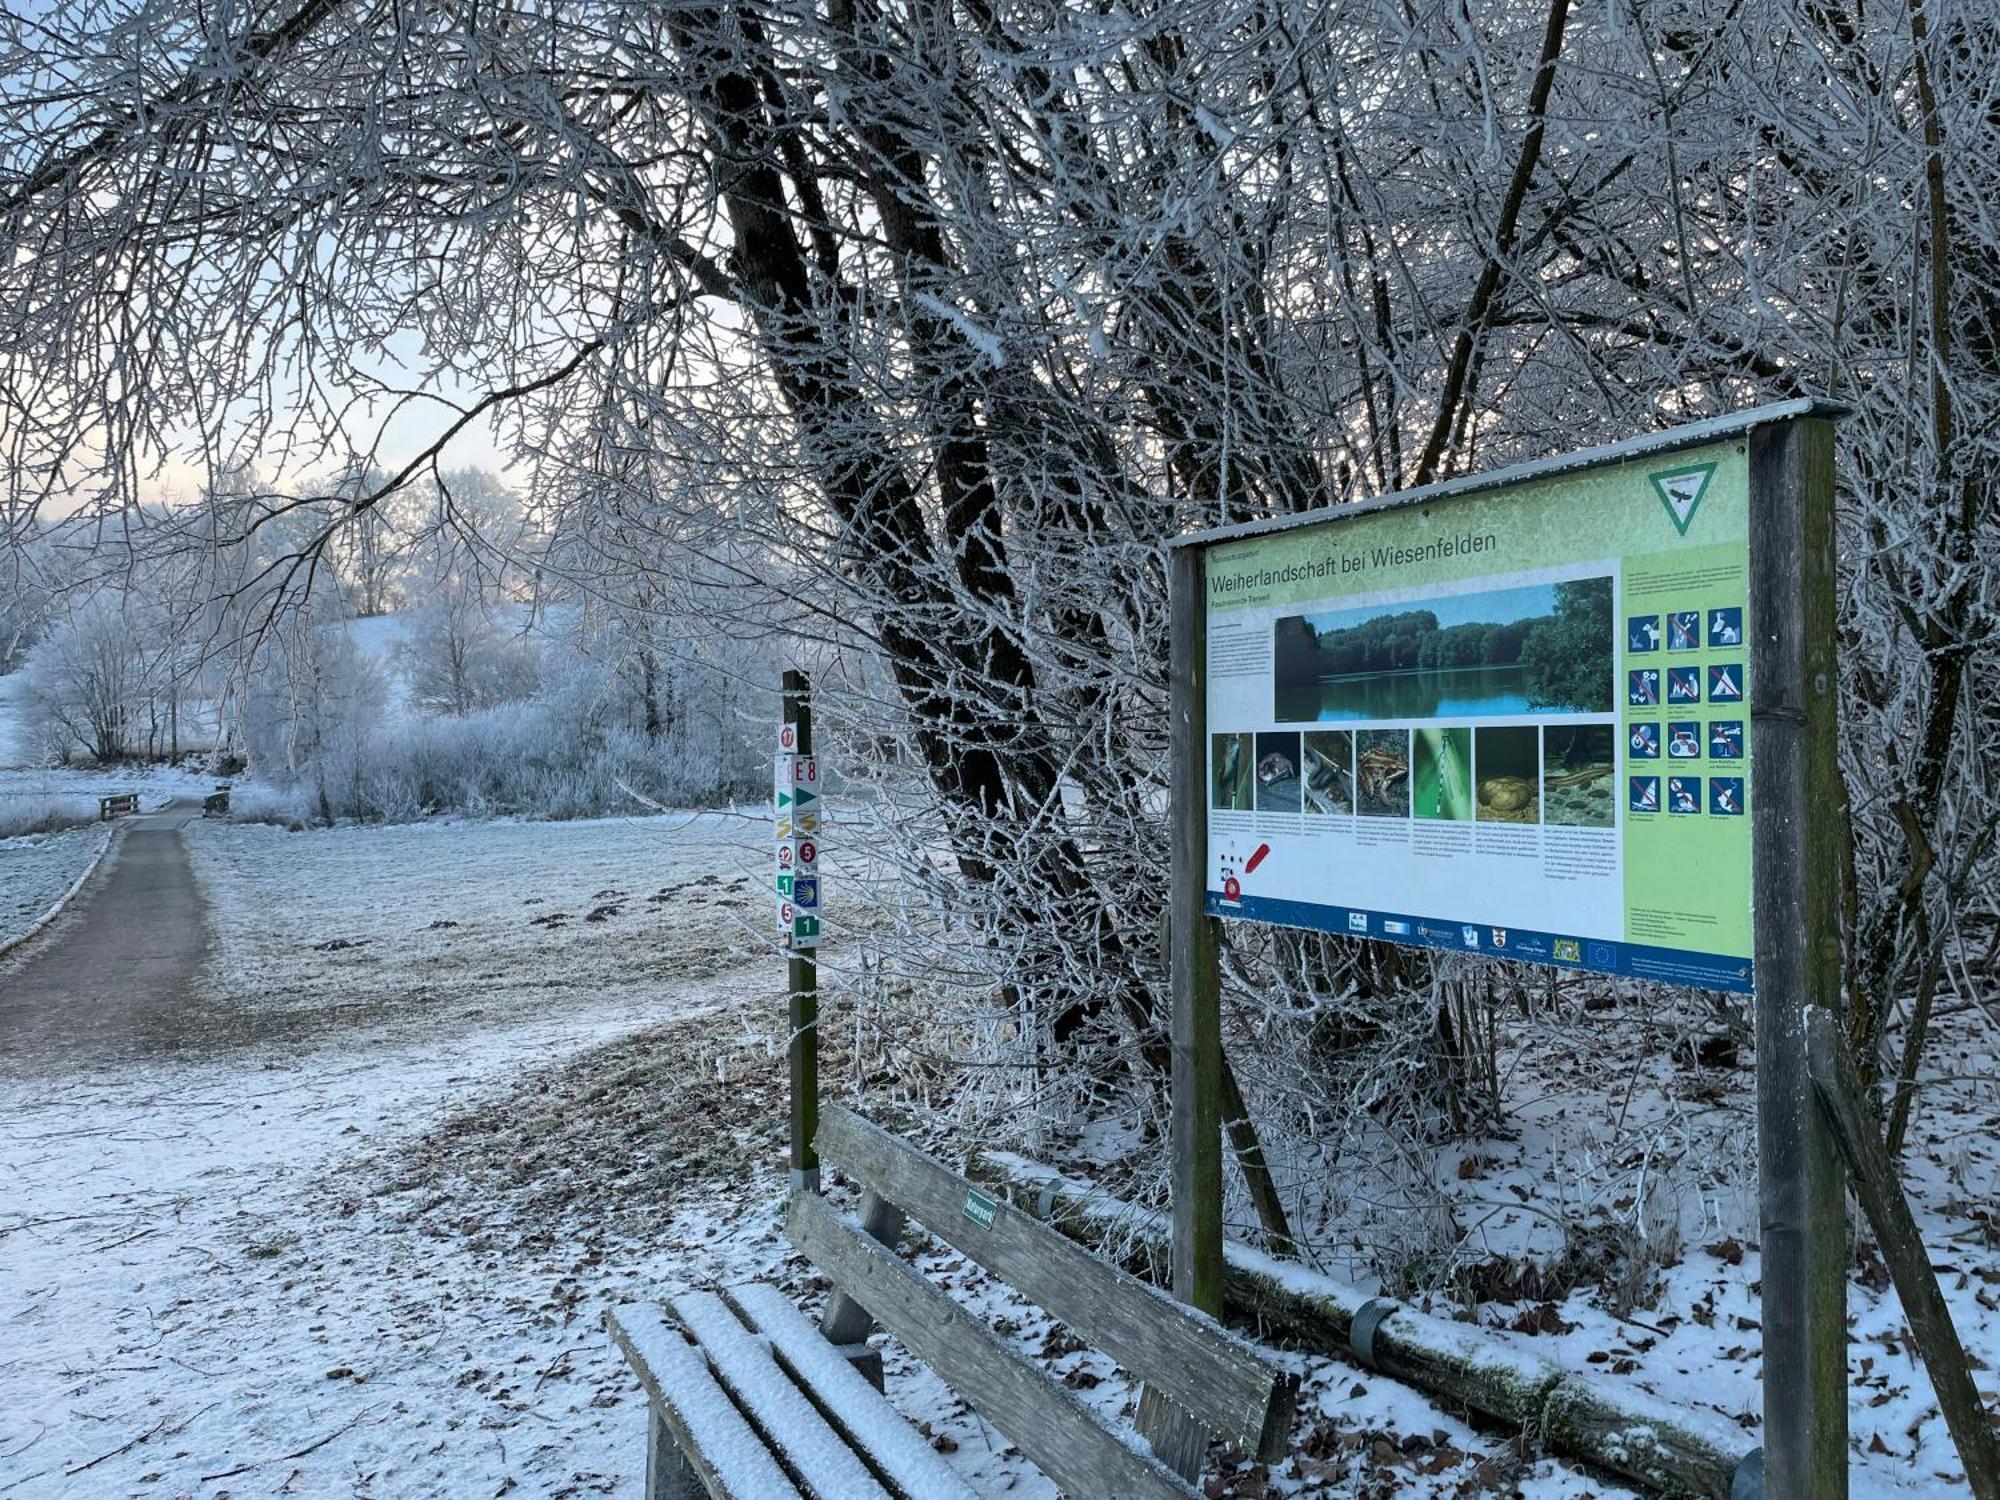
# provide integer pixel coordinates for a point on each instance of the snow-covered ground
(455, 1088)
(37, 869)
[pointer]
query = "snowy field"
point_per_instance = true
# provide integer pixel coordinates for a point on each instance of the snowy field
(452, 1089)
(410, 920)
(37, 869)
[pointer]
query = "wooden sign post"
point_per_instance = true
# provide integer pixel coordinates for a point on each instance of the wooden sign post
(1651, 791)
(796, 796)
(1795, 787)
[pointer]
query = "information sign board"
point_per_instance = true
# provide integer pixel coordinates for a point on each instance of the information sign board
(1511, 723)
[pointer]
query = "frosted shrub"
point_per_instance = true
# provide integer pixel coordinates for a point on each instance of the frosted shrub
(536, 759)
(44, 812)
(261, 802)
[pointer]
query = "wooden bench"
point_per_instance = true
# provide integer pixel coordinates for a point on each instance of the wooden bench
(748, 1399)
(116, 805)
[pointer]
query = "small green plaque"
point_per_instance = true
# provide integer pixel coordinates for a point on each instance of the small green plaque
(980, 1209)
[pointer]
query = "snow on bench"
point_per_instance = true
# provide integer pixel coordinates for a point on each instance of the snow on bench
(803, 1399)
(760, 1404)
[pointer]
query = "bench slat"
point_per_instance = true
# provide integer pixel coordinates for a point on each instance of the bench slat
(1067, 1440)
(861, 1413)
(811, 1448)
(723, 1450)
(1223, 1380)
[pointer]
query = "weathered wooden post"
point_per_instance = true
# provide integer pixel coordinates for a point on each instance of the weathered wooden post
(797, 787)
(1796, 857)
(1196, 1025)
(1196, 982)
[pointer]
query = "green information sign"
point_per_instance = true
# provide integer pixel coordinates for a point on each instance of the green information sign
(1511, 723)
(980, 1209)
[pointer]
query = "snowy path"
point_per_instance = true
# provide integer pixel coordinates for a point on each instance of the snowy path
(118, 971)
(206, 1287)
(180, 1272)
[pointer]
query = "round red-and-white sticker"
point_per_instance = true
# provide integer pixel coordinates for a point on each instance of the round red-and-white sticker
(808, 851)
(788, 737)
(1232, 889)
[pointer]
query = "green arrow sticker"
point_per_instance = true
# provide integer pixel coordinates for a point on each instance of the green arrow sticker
(1680, 490)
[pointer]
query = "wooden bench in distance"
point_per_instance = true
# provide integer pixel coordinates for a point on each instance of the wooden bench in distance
(117, 805)
(760, 1405)
(1221, 1381)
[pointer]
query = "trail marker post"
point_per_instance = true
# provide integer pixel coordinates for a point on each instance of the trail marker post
(1581, 713)
(796, 805)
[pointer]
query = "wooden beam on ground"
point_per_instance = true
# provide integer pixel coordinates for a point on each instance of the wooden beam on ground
(1064, 1438)
(1592, 1418)
(1858, 1129)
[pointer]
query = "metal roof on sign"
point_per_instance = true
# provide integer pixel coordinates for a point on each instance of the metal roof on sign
(1646, 445)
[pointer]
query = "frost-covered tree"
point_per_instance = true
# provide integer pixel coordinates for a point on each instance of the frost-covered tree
(86, 683)
(465, 652)
(312, 702)
(926, 325)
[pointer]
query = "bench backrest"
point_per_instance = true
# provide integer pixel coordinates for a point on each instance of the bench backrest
(116, 803)
(1219, 1378)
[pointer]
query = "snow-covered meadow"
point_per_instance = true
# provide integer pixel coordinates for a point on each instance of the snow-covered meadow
(38, 870)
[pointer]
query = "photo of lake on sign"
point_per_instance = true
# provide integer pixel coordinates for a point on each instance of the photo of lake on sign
(1541, 648)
